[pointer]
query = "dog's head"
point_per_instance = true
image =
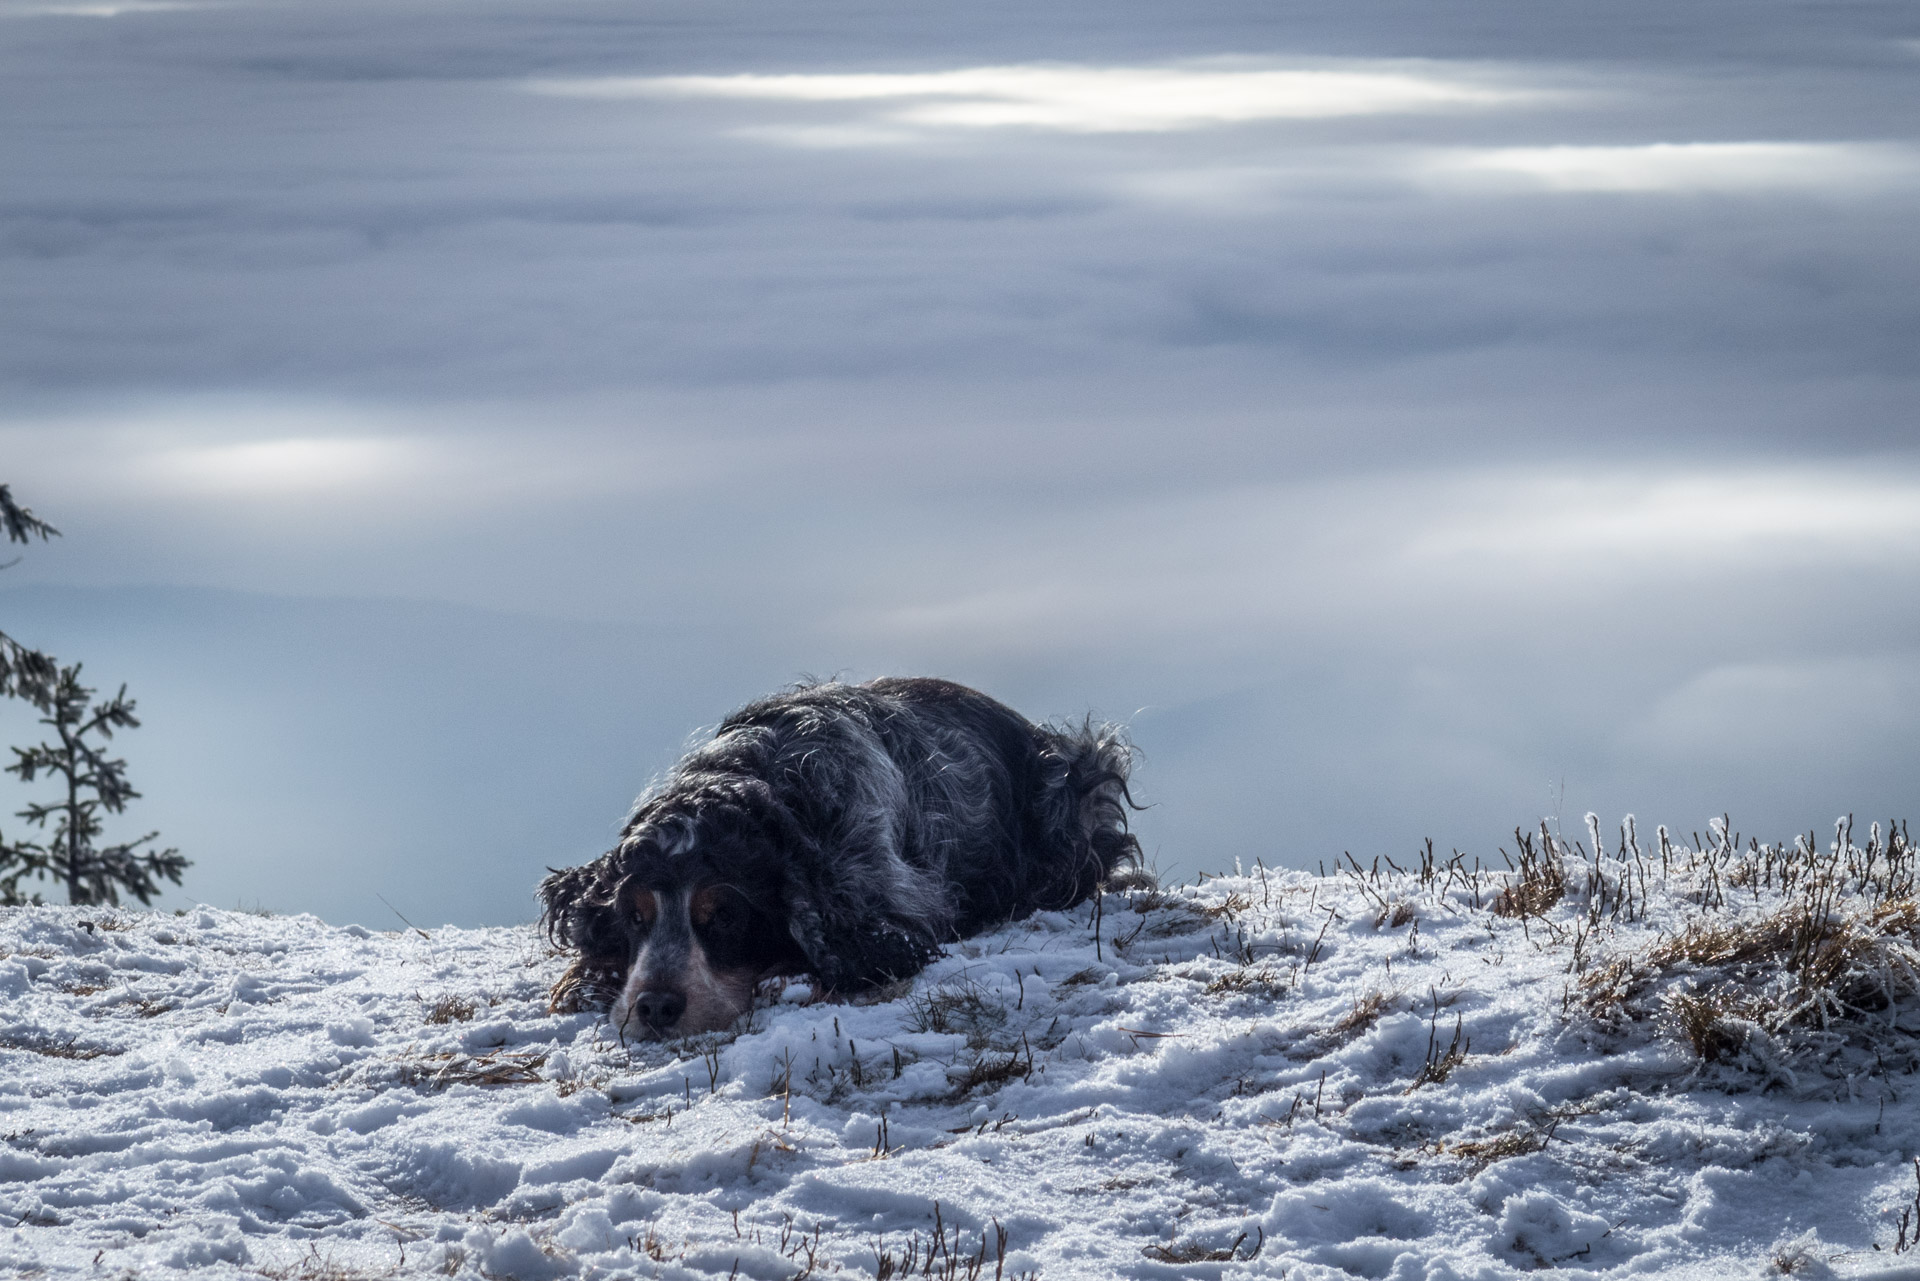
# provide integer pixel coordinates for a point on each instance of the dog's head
(675, 927)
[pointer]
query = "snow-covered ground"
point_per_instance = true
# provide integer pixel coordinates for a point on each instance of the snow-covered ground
(1273, 1074)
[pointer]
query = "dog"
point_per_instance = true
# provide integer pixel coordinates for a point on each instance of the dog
(841, 832)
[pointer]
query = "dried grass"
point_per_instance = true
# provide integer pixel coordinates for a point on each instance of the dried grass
(316, 1269)
(1540, 878)
(1229, 907)
(1441, 1063)
(1365, 1013)
(1484, 1152)
(1130, 880)
(1265, 982)
(451, 1009)
(1716, 1023)
(990, 1069)
(1805, 969)
(945, 1255)
(150, 1007)
(588, 983)
(1195, 1252)
(441, 1071)
(1153, 899)
(49, 1047)
(957, 1005)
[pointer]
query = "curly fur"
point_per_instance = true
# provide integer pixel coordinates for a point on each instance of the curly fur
(852, 829)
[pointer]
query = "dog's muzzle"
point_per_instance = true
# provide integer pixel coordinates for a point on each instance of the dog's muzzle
(657, 1011)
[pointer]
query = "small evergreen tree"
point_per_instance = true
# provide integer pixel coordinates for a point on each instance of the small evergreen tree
(24, 673)
(93, 785)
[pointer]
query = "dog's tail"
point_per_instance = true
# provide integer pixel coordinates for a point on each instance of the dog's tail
(1081, 811)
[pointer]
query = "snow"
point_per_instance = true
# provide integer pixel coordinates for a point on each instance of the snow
(1248, 1077)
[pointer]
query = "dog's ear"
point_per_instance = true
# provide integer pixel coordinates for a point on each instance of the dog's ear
(849, 950)
(565, 897)
(843, 929)
(576, 913)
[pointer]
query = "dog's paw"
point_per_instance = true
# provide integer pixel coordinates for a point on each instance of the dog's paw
(787, 989)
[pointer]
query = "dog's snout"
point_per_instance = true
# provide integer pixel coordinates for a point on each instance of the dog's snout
(659, 1010)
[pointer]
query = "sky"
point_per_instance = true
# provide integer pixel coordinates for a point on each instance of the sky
(1414, 421)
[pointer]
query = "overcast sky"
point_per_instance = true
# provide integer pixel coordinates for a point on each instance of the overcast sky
(1415, 420)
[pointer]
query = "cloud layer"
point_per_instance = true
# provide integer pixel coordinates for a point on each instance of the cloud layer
(1400, 415)
(1082, 99)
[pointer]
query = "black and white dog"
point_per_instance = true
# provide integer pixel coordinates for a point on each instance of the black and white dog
(839, 831)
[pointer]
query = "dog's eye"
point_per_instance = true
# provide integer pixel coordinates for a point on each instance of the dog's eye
(719, 911)
(646, 906)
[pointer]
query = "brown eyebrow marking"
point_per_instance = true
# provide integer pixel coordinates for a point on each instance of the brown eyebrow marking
(646, 905)
(705, 902)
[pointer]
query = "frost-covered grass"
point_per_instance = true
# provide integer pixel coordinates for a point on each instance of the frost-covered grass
(1674, 1060)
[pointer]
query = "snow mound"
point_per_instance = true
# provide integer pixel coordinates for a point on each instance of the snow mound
(1431, 1075)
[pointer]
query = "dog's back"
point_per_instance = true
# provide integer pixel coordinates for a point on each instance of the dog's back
(1010, 817)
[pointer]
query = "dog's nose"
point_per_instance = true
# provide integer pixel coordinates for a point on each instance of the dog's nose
(659, 1010)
